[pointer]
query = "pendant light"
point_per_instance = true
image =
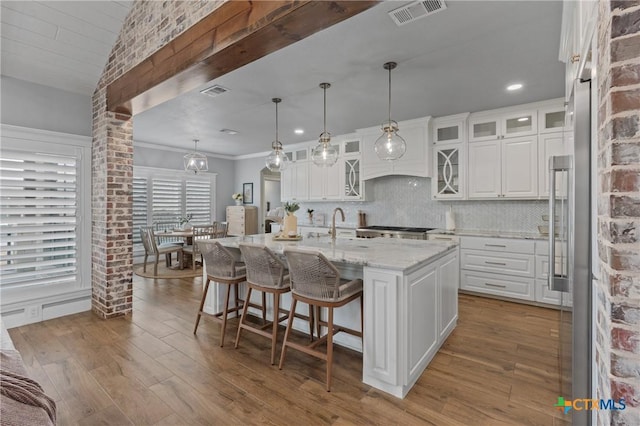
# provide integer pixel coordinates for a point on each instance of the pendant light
(277, 160)
(196, 162)
(390, 145)
(324, 154)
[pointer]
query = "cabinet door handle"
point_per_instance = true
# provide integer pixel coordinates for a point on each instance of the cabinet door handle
(495, 285)
(443, 238)
(495, 245)
(495, 263)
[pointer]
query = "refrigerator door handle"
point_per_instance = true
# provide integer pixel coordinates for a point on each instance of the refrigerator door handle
(562, 163)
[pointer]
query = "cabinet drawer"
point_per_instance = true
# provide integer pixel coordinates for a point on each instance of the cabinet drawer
(502, 263)
(499, 285)
(498, 244)
(443, 237)
(544, 295)
(236, 229)
(542, 247)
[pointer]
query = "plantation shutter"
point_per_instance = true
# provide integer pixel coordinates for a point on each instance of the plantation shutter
(140, 203)
(39, 218)
(198, 200)
(167, 199)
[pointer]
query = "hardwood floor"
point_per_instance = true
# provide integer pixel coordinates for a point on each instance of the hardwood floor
(498, 367)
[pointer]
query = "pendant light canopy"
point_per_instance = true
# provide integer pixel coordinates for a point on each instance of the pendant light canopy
(390, 145)
(196, 162)
(277, 160)
(324, 154)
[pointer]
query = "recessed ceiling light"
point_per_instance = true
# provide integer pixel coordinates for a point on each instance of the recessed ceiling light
(523, 119)
(513, 87)
(298, 131)
(229, 131)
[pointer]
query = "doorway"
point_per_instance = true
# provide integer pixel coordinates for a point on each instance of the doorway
(270, 194)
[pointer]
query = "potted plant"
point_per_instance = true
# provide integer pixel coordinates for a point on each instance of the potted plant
(183, 221)
(290, 220)
(238, 198)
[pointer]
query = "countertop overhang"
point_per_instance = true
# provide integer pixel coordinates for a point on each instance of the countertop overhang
(385, 253)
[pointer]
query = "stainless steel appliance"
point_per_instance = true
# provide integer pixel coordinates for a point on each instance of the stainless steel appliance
(392, 232)
(570, 248)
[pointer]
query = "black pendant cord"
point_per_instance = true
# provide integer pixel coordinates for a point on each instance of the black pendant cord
(325, 110)
(389, 95)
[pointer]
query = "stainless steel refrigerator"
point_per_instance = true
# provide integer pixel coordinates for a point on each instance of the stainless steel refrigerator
(570, 247)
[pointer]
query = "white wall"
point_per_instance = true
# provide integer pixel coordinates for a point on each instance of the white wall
(42, 107)
(248, 171)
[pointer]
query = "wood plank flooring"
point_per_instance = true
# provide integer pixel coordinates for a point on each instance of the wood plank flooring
(497, 368)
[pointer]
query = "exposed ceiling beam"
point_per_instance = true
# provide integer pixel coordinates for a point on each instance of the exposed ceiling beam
(233, 35)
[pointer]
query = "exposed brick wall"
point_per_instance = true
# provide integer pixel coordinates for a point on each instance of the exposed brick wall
(149, 26)
(618, 293)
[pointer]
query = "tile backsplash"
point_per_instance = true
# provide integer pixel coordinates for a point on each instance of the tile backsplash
(406, 201)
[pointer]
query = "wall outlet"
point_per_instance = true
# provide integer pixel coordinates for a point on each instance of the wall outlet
(34, 312)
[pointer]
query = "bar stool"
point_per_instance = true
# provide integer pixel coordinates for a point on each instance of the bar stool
(265, 273)
(317, 282)
(222, 267)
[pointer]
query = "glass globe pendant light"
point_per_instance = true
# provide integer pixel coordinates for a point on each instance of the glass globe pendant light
(196, 162)
(277, 160)
(324, 154)
(390, 146)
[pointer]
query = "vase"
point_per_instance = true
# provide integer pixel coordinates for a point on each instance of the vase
(238, 202)
(290, 225)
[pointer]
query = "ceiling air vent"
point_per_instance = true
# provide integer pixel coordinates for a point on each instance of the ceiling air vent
(214, 91)
(416, 10)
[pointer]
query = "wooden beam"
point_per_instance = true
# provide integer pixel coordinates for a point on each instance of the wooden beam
(235, 34)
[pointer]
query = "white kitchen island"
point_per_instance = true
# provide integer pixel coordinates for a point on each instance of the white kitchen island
(410, 301)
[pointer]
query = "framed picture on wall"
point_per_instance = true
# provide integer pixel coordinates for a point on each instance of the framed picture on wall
(247, 193)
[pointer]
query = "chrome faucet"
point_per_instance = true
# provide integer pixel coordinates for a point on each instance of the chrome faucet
(332, 231)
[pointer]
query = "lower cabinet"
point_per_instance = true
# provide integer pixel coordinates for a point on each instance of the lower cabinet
(506, 267)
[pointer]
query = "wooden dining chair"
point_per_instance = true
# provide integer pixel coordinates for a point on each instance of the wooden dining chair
(148, 238)
(221, 229)
(316, 281)
(199, 233)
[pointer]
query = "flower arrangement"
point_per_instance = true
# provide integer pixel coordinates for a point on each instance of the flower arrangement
(237, 196)
(184, 219)
(291, 208)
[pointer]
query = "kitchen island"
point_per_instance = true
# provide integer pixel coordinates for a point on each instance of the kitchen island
(410, 300)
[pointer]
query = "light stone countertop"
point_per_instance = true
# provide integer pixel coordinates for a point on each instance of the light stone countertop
(492, 234)
(385, 253)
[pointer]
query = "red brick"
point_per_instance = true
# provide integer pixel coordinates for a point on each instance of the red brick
(624, 49)
(625, 180)
(625, 75)
(627, 23)
(626, 340)
(626, 100)
(630, 393)
(624, 206)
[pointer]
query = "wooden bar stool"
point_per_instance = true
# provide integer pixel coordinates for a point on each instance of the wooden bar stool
(268, 274)
(317, 282)
(222, 267)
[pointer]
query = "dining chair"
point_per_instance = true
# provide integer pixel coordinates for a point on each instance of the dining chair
(199, 233)
(221, 229)
(148, 238)
(223, 267)
(268, 274)
(165, 241)
(316, 281)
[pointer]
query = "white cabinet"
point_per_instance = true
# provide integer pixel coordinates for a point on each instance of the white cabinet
(498, 266)
(449, 156)
(415, 161)
(351, 182)
(506, 168)
(324, 182)
(549, 145)
(485, 127)
(294, 180)
(552, 119)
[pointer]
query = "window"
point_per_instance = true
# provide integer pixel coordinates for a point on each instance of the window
(161, 195)
(42, 232)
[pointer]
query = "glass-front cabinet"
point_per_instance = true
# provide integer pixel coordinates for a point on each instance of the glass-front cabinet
(450, 166)
(551, 119)
(500, 126)
(351, 169)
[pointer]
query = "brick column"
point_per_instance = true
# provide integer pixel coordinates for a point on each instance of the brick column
(618, 293)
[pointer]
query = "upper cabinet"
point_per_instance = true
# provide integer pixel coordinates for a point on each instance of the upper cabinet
(509, 124)
(449, 135)
(324, 182)
(351, 182)
(551, 119)
(294, 180)
(415, 161)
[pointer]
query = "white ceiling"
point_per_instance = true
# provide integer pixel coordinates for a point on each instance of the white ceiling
(457, 60)
(62, 44)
